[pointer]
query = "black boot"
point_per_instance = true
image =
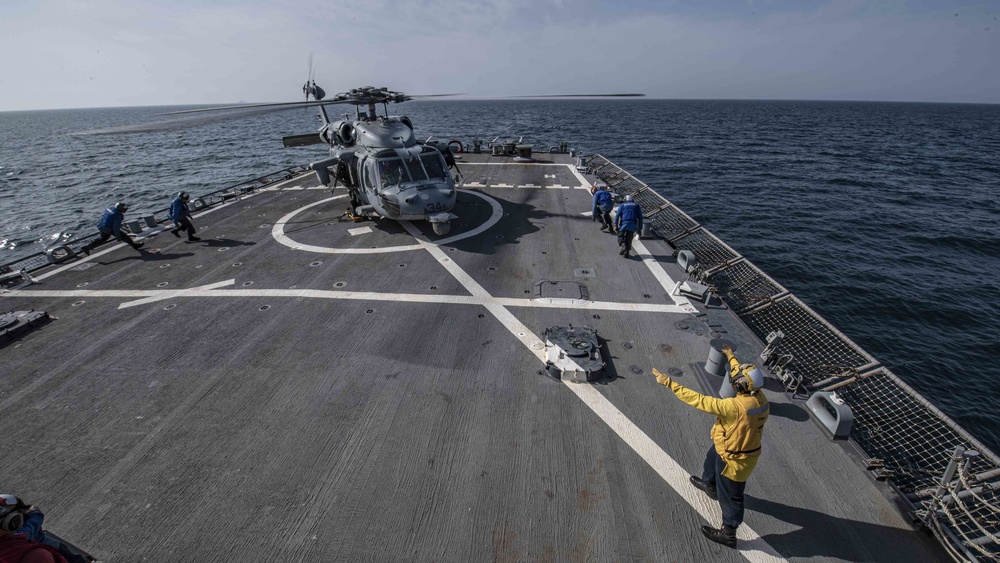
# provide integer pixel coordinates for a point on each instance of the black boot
(704, 487)
(176, 232)
(726, 535)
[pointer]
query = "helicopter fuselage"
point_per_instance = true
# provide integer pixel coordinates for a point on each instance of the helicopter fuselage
(389, 173)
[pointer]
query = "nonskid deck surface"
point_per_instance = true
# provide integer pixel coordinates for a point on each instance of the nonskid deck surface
(299, 387)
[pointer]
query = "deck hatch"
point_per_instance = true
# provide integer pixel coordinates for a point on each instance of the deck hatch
(557, 289)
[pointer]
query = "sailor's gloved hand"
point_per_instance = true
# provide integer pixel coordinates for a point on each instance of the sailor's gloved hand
(662, 378)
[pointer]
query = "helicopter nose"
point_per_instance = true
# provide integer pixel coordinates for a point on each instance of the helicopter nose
(444, 194)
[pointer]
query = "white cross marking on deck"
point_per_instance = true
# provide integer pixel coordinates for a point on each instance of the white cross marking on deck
(146, 296)
(753, 547)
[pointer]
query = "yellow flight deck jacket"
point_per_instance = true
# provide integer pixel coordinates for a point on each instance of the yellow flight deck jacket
(739, 425)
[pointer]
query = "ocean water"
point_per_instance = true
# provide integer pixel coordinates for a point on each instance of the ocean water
(883, 217)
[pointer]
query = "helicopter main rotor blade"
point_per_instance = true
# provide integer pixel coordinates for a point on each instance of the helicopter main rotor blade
(302, 140)
(181, 122)
(419, 96)
(275, 104)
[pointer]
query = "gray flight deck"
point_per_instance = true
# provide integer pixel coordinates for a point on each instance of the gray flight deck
(297, 387)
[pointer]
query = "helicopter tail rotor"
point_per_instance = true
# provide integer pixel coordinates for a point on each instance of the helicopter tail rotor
(310, 88)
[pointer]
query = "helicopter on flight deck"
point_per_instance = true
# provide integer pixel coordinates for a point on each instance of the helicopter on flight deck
(386, 170)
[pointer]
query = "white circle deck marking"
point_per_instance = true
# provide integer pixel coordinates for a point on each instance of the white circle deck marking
(278, 231)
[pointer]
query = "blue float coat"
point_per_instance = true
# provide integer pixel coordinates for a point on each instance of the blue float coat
(178, 210)
(629, 217)
(111, 222)
(602, 201)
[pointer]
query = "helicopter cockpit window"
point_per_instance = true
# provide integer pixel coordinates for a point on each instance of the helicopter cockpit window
(435, 168)
(367, 176)
(416, 171)
(392, 172)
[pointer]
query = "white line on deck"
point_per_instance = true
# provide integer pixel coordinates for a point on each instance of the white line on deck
(532, 164)
(584, 184)
(753, 547)
(146, 296)
(661, 275)
(278, 230)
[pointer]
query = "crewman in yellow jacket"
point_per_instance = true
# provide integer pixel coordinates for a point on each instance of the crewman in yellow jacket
(736, 436)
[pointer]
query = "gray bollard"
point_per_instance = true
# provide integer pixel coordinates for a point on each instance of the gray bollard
(840, 422)
(717, 364)
(686, 260)
(134, 227)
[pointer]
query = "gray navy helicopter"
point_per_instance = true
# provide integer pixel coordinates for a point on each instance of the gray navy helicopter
(386, 170)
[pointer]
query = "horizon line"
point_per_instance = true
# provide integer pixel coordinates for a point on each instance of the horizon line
(553, 97)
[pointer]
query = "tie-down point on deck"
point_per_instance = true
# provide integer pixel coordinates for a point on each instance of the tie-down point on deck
(573, 354)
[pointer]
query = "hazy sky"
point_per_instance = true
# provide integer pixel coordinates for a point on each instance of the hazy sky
(97, 53)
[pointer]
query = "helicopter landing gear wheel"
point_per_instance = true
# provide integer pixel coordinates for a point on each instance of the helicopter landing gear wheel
(456, 146)
(442, 228)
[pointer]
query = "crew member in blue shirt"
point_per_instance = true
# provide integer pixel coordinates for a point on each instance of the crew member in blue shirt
(111, 225)
(180, 214)
(602, 206)
(628, 221)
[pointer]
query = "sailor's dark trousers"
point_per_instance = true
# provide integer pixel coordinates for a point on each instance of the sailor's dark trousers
(605, 218)
(105, 236)
(625, 239)
(185, 224)
(730, 492)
